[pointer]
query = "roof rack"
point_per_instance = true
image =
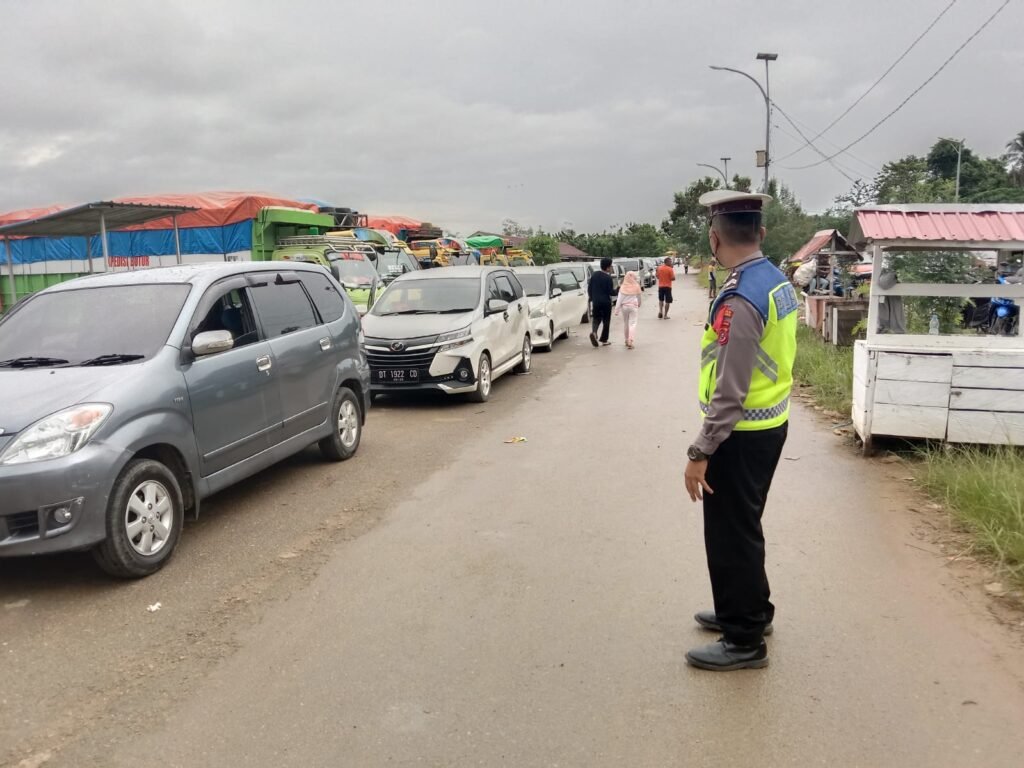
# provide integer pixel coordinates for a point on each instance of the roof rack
(350, 243)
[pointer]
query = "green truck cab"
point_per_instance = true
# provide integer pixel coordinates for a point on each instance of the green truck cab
(351, 261)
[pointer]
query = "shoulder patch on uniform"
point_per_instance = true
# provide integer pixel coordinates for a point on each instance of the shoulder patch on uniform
(786, 301)
(722, 323)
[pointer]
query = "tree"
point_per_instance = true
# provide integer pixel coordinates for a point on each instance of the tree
(787, 224)
(512, 228)
(544, 249)
(861, 193)
(740, 183)
(687, 221)
(1014, 158)
(908, 180)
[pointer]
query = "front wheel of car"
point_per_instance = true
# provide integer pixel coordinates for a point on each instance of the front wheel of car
(482, 393)
(527, 357)
(144, 517)
(551, 338)
(347, 421)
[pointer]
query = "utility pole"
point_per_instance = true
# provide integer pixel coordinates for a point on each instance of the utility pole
(725, 163)
(765, 57)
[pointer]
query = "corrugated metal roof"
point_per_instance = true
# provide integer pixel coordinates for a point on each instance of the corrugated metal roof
(997, 225)
(84, 220)
(811, 246)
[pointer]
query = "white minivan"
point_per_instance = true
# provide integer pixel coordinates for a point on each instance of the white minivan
(451, 329)
(557, 302)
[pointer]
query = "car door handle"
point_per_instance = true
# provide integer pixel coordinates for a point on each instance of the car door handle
(325, 344)
(264, 363)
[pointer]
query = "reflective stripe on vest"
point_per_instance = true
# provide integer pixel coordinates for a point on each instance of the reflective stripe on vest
(757, 414)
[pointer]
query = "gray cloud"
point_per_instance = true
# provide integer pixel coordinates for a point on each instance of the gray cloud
(590, 111)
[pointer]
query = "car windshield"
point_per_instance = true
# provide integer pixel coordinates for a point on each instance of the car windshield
(535, 284)
(630, 265)
(107, 325)
(354, 271)
(391, 262)
(429, 296)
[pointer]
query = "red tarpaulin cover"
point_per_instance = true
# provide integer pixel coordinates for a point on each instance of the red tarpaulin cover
(393, 224)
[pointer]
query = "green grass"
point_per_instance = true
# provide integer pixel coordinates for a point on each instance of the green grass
(702, 276)
(826, 369)
(984, 489)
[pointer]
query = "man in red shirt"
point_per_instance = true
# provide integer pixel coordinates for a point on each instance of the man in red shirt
(666, 276)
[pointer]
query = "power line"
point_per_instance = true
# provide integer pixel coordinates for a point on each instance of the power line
(840, 166)
(847, 155)
(913, 93)
(810, 142)
(875, 84)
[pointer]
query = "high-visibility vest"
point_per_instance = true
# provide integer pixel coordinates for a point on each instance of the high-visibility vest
(770, 293)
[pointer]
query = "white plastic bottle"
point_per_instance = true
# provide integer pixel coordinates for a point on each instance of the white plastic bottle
(933, 325)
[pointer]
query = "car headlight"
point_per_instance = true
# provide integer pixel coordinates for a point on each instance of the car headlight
(537, 312)
(455, 339)
(57, 435)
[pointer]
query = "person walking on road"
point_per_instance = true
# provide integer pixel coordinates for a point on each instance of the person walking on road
(629, 305)
(746, 375)
(686, 267)
(666, 276)
(601, 292)
(712, 281)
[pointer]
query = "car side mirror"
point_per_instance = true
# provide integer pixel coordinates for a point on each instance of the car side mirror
(212, 342)
(496, 306)
(556, 292)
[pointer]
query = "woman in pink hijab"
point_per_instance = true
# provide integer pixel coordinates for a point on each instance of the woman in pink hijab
(629, 305)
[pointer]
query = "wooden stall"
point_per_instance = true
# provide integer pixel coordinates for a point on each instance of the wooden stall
(962, 387)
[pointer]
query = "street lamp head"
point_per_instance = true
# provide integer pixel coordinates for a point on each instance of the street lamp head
(767, 56)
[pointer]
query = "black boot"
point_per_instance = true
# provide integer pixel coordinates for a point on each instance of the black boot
(724, 656)
(708, 620)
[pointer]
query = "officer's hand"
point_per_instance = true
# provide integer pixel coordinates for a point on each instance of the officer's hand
(696, 485)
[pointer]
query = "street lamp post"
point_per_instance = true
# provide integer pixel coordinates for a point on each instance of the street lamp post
(725, 164)
(765, 57)
(717, 170)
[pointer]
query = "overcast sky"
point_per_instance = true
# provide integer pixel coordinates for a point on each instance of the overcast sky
(465, 112)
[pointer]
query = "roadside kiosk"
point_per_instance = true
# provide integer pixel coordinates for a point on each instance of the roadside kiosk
(959, 384)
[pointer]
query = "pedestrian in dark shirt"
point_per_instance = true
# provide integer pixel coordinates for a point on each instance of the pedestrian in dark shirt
(601, 292)
(712, 281)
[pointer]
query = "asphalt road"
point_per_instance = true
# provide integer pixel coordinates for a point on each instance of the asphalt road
(449, 599)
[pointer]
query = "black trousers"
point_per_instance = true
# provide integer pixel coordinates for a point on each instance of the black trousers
(601, 313)
(740, 473)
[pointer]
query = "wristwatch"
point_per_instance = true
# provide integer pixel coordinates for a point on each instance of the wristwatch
(693, 453)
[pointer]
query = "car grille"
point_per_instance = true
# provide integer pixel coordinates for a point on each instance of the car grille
(389, 359)
(20, 524)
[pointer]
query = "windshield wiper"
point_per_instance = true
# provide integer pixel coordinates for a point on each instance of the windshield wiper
(32, 362)
(115, 358)
(454, 311)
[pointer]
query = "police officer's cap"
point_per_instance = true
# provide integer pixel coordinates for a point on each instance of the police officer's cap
(725, 201)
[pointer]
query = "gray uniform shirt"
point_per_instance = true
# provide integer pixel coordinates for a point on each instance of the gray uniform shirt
(739, 327)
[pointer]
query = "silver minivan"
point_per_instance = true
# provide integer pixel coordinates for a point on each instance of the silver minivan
(126, 398)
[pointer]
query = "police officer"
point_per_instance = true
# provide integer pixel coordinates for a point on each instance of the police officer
(747, 355)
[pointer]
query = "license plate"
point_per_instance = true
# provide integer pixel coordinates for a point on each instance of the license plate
(398, 375)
